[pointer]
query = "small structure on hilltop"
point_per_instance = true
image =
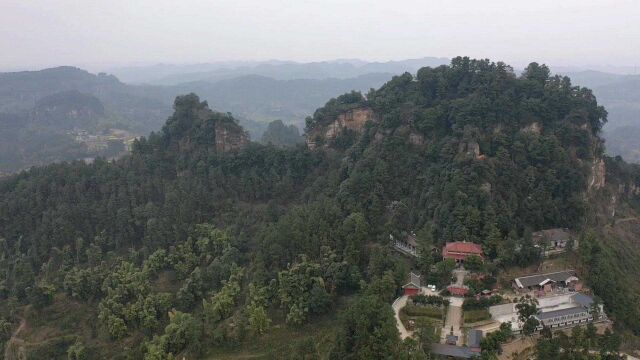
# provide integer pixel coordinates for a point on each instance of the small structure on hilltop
(461, 250)
(549, 282)
(554, 241)
(413, 286)
(407, 245)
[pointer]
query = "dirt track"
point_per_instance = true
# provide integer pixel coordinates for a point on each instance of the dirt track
(13, 349)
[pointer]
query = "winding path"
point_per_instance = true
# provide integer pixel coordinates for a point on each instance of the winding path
(12, 348)
(397, 305)
(619, 221)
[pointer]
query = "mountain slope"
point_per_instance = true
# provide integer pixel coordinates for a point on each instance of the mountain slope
(192, 247)
(45, 133)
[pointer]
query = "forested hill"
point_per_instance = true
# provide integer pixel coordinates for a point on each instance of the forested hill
(21, 91)
(201, 243)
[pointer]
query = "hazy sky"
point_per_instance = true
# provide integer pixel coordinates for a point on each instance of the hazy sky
(37, 33)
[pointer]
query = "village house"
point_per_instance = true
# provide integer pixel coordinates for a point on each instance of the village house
(554, 241)
(548, 283)
(413, 286)
(407, 244)
(461, 250)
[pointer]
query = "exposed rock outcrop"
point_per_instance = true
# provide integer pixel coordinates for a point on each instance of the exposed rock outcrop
(470, 148)
(230, 137)
(534, 129)
(486, 187)
(416, 139)
(598, 175)
(629, 189)
(354, 120)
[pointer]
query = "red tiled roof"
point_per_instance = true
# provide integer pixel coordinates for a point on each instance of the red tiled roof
(459, 250)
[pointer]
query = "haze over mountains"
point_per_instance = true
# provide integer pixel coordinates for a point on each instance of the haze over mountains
(138, 100)
(620, 95)
(167, 74)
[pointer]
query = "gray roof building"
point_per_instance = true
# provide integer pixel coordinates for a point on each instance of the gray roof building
(473, 338)
(542, 279)
(584, 300)
(414, 281)
(562, 312)
(453, 351)
(553, 235)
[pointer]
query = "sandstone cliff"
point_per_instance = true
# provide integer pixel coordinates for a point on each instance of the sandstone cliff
(230, 137)
(354, 119)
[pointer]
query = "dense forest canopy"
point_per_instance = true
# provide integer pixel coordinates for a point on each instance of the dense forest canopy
(262, 234)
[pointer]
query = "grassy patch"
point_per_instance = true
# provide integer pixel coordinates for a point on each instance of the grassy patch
(427, 311)
(49, 332)
(471, 316)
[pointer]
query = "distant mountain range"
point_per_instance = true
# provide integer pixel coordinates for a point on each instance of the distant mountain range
(255, 92)
(280, 70)
(143, 108)
(40, 110)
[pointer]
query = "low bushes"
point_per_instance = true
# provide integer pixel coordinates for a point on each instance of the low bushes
(432, 300)
(482, 303)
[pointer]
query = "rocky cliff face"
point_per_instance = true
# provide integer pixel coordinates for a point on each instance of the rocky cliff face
(230, 137)
(597, 179)
(194, 127)
(470, 149)
(532, 129)
(354, 119)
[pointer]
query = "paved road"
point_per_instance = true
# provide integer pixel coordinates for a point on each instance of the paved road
(454, 311)
(454, 319)
(460, 274)
(397, 305)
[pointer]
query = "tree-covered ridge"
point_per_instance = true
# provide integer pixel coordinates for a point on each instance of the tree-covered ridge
(233, 242)
(500, 151)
